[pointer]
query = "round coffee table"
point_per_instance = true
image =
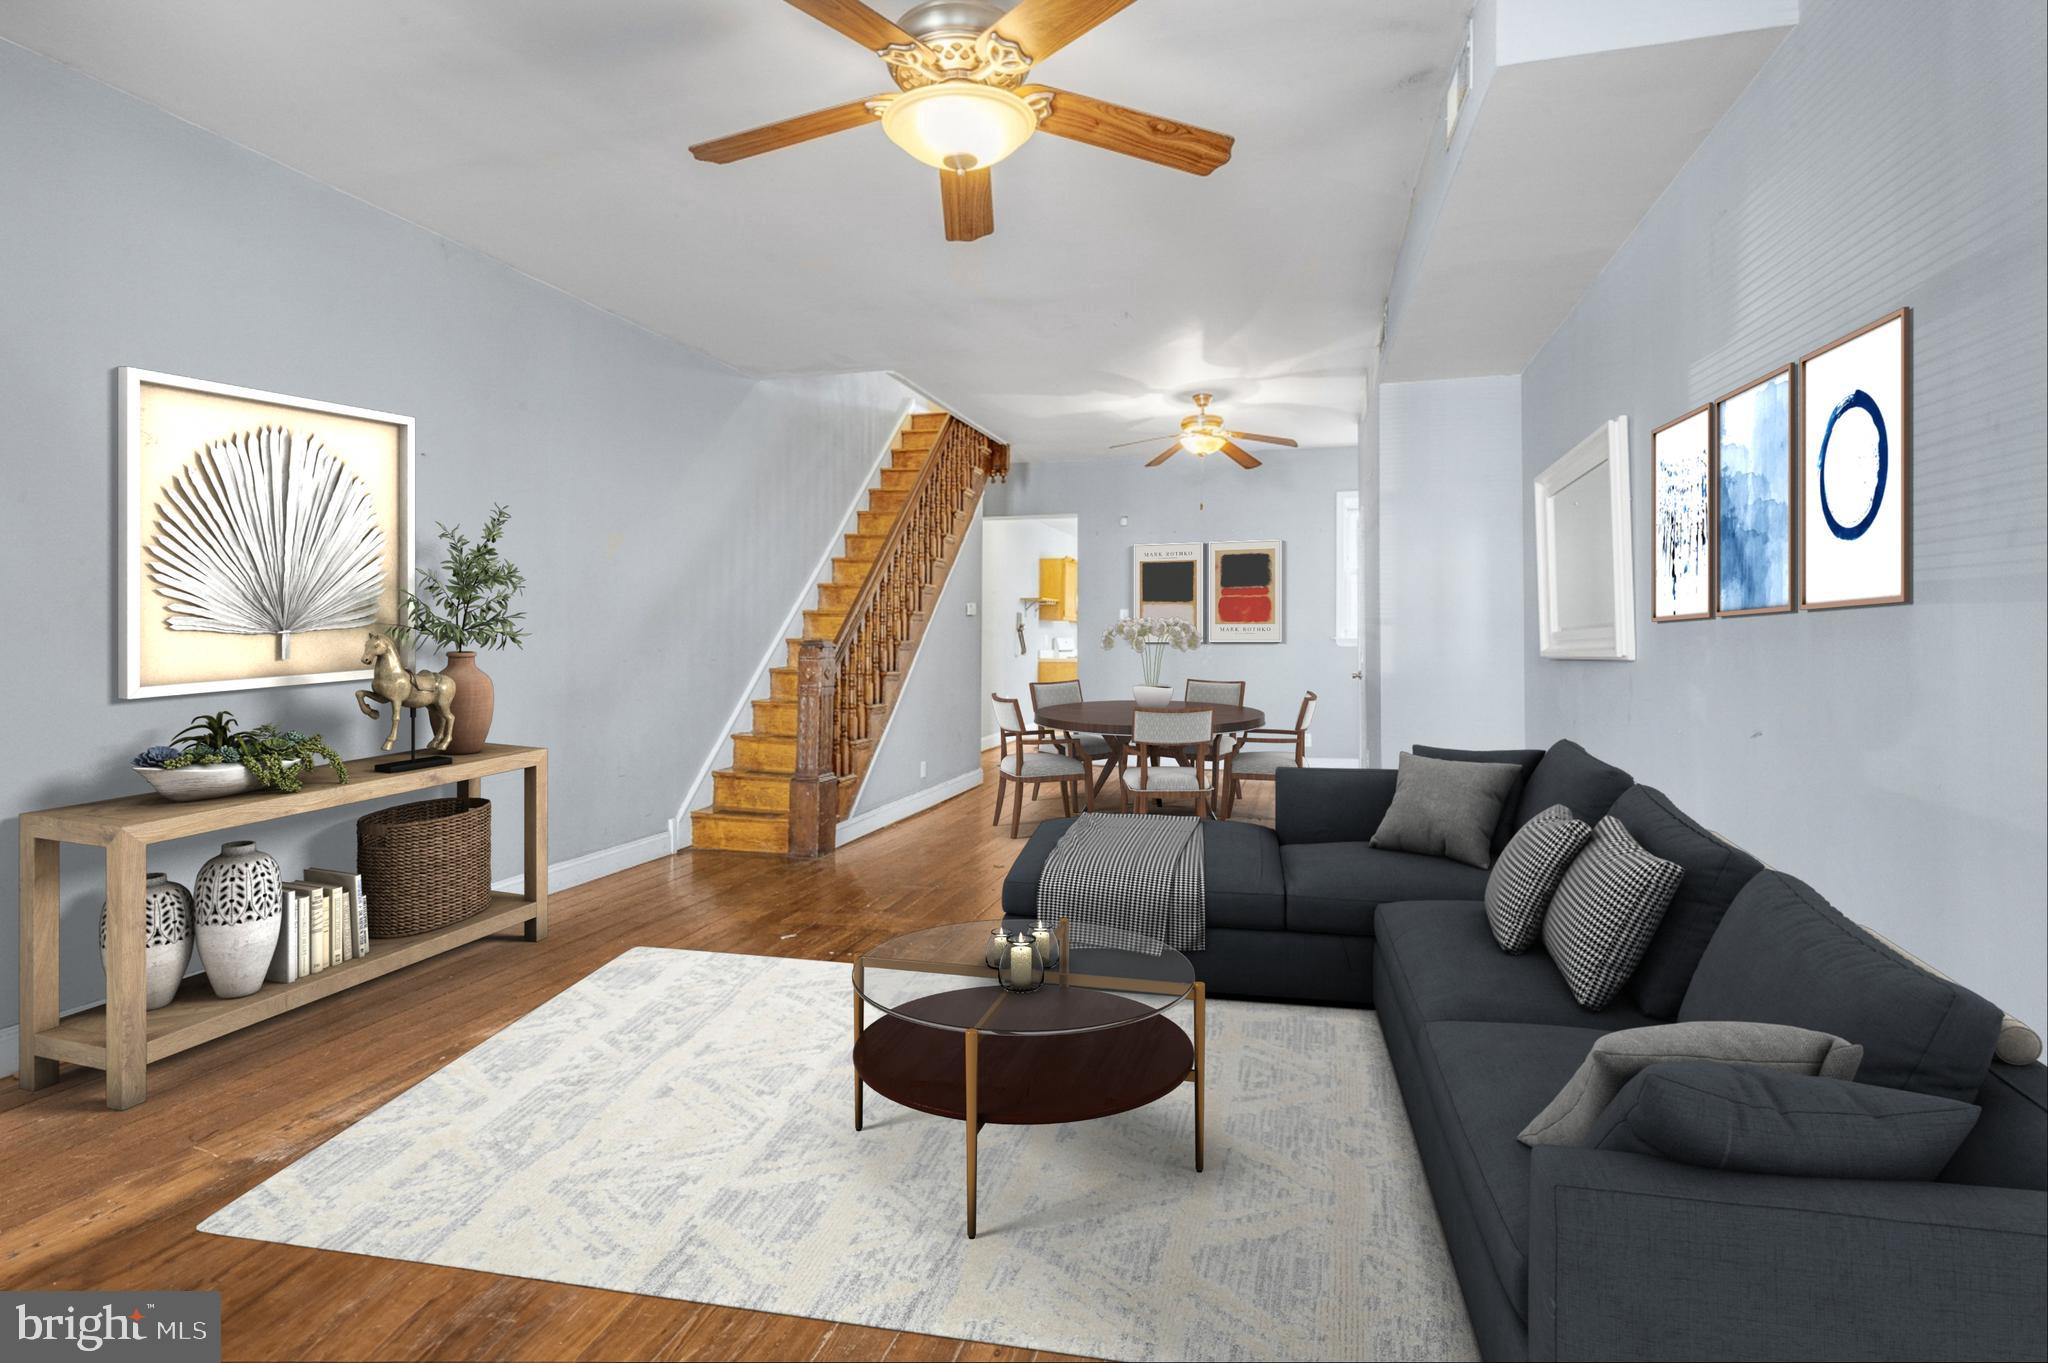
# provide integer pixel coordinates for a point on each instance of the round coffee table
(1093, 1040)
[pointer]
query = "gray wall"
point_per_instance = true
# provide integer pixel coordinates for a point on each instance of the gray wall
(1889, 153)
(1291, 498)
(937, 719)
(1450, 564)
(666, 510)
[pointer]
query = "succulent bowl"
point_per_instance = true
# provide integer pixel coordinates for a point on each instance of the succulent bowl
(200, 782)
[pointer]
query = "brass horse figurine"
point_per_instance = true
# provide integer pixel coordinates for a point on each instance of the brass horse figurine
(406, 691)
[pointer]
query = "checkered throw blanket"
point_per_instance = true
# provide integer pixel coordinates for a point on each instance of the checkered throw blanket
(1139, 873)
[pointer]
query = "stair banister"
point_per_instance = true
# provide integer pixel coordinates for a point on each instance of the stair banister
(841, 679)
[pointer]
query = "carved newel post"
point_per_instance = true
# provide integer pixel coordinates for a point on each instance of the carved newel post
(814, 790)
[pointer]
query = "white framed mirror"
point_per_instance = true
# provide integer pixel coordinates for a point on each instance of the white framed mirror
(1585, 580)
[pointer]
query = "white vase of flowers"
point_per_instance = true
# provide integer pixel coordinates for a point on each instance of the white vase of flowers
(1149, 639)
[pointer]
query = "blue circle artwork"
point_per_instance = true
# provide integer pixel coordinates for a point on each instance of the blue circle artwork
(1855, 400)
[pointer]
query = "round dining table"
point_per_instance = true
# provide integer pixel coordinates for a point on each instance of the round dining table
(1112, 720)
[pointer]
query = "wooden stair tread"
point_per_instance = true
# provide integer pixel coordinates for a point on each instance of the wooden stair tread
(750, 806)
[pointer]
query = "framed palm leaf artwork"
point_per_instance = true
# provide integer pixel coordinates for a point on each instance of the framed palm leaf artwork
(263, 535)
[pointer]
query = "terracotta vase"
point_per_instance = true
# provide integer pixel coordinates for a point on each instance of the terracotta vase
(474, 700)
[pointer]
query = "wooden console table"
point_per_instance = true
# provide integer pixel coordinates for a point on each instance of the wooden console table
(124, 1036)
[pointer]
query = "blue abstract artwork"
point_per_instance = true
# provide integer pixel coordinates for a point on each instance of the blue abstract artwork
(1852, 495)
(1754, 458)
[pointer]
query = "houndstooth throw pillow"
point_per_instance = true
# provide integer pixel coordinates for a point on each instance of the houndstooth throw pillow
(1605, 912)
(1526, 875)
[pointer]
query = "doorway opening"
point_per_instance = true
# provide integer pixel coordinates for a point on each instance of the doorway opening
(1030, 608)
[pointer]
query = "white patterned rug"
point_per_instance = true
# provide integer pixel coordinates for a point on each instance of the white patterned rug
(679, 1123)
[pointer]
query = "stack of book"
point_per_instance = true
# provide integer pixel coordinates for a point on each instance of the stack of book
(326, 921)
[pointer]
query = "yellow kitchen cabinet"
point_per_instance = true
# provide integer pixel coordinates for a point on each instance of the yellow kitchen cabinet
(1059, 669)
(1059, 584)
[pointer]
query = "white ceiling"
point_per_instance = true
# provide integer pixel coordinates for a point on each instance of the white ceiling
(554, 137)
(1564, 158)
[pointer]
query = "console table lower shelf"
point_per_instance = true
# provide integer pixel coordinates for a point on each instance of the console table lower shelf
(124, 1036)
(198, 1015)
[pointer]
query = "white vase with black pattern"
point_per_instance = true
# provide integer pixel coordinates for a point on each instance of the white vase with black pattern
(167, 933)
(238, 901)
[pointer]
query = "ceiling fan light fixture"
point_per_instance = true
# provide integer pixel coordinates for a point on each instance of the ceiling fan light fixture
(959, 125)
(1199, 444)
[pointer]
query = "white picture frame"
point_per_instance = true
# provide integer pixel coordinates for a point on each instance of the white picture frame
(1177, 582)
(1247, 591)
(1585, 551)
(134, 603)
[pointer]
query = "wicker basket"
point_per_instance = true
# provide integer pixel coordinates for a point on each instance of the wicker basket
(425, 865)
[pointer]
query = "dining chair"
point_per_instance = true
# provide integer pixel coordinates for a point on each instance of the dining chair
(1261, 765)
(1092, 746)
(1198, 692)
(1172, 730)
(1067, 693)
(1031, 765)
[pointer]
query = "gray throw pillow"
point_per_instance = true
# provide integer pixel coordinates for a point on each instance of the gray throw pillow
(1446, 809)
(1618, 1056)
(1526, 876)
(1766, 1122)
(1605, 912)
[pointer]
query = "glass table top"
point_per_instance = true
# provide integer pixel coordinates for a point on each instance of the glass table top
(940, 977)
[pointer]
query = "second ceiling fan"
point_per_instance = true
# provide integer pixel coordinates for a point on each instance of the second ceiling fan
(1202, 434)
(962, 105)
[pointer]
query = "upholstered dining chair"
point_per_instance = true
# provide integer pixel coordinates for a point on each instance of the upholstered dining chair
(1031, 765)
(1260, 765)
(1067, 693)
(1172, 730)
(1198, 692)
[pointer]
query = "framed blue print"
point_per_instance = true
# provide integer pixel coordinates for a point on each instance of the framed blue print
(1855, 519)
(1753, 494)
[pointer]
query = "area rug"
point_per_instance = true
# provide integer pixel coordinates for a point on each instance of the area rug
(679, 1124)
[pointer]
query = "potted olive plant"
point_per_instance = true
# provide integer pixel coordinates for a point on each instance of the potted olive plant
(469, 607)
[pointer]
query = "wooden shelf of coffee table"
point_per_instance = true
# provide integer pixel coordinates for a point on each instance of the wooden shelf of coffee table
(124, 1036)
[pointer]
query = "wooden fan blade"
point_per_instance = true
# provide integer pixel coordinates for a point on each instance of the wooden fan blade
(970, 204)
(856, 21)
(787, 133)
(1243, 459)
(1268, 439)
(1043, 27)
(1171, 450)
(1145, 136)
(1126, 444)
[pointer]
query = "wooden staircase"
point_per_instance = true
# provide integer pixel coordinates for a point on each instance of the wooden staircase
(751, 800)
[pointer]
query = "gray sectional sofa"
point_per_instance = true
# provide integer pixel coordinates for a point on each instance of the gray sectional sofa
(1564, 1252)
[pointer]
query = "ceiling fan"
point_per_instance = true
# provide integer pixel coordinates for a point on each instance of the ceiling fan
(962, 106)
(1203, 434)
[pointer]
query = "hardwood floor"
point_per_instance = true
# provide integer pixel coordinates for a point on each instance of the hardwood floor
(98, 1199)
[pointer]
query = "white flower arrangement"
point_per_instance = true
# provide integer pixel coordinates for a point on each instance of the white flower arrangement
(1177, 634)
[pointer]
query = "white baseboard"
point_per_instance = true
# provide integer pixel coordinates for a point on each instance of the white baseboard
(896, 811)
(1333, 762)
(561, 876)
(989, 741)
